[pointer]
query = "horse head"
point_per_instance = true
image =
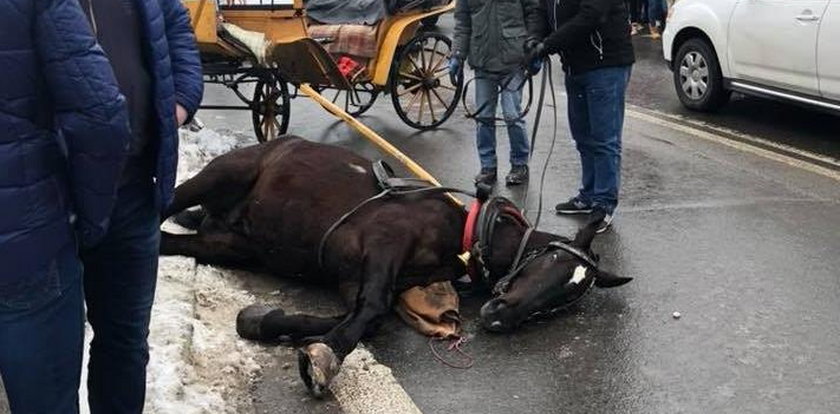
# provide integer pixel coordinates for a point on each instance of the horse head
(532, 272)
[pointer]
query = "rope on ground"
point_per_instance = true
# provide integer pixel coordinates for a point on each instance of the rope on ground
(455, 346)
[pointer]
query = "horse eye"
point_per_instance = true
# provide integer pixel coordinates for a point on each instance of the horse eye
(554, 257)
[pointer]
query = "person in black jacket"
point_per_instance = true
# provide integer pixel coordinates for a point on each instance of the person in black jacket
(592, 38)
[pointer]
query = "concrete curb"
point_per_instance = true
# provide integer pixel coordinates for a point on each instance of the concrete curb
(364, 386)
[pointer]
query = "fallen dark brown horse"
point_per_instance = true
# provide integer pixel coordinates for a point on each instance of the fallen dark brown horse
(269, 206)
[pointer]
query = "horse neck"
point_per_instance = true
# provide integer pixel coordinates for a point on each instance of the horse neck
(505, 244)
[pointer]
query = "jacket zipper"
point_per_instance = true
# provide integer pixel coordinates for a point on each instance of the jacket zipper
(599, 47)
(92, 18)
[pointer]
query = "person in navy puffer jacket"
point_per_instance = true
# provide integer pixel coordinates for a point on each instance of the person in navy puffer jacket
(64, 134)
(152, 50)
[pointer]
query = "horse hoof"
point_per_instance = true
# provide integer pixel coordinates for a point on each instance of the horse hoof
(189, 219)
(249, 320)
(318, 365)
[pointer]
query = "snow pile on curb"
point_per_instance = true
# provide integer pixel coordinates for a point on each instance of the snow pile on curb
(198, 364)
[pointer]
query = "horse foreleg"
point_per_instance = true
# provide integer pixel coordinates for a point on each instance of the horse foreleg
(263, 323)
(319, 362)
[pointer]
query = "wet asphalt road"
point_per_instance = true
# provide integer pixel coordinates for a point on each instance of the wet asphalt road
(744, 247)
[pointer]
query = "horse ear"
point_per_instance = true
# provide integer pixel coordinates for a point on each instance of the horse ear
(585, 235)
(607, 280)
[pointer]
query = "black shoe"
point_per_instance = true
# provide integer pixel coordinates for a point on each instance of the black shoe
(602, 219)
(573, 206)
(518, 175)
(486, 176)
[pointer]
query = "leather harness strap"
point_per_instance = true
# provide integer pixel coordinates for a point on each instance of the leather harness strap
(468, 238)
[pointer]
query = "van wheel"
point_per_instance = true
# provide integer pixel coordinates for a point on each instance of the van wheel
(697, 77)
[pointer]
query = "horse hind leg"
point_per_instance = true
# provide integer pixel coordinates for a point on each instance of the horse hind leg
(190, 219)
(221, 184)
(218, 248)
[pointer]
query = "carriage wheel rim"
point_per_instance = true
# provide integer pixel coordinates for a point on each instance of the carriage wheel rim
(421, 76)
(270, 114)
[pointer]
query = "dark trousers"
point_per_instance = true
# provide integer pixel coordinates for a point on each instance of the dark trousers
(41, 334)
(596, 118)
(638, 11)
(119, 284)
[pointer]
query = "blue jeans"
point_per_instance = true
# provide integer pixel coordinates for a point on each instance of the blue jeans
(119, 282)
(656, 11)
(596, 118)
(487, 95)
(41, 335)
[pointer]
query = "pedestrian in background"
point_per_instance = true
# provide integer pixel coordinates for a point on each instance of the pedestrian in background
(490, 35)
(656, 11)
(638, 13)
(152, 49)
(63, 138)
(593, 40)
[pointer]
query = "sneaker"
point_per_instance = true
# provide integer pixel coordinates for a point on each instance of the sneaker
(604, 220)
(518, 175)
(486, 176)
(573, 206)
(654, 32)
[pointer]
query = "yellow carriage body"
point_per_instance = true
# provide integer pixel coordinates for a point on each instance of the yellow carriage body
(300, 58)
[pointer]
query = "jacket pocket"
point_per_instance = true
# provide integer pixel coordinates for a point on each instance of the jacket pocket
(45, 285)
(513, 44)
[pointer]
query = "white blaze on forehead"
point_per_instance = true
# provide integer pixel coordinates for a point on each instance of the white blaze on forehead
(357, 168)
(579, 275)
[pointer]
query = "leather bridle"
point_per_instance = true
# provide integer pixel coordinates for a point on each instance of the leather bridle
(491, 213)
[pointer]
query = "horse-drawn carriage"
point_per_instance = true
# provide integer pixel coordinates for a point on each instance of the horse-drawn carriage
(277, 44)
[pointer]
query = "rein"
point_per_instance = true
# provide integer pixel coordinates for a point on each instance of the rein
(526, 80)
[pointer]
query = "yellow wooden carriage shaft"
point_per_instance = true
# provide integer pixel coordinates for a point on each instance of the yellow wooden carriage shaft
(303, 61)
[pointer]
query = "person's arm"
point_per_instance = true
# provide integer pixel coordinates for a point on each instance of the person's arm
(591, 14)
(463, 29)
(90, 112)
(186, 63)
(536, 19)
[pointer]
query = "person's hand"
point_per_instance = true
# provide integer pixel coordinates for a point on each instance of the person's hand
(534, 66)
(535, 52)
(456, 69)
(181, 115)
(530, 43)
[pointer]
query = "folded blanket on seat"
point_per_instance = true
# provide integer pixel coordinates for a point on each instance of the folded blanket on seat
(345, 39)
(346, 11)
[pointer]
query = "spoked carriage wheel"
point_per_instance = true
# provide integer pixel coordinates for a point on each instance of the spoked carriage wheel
(363, 96)
(270, 107)
(422, 93)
